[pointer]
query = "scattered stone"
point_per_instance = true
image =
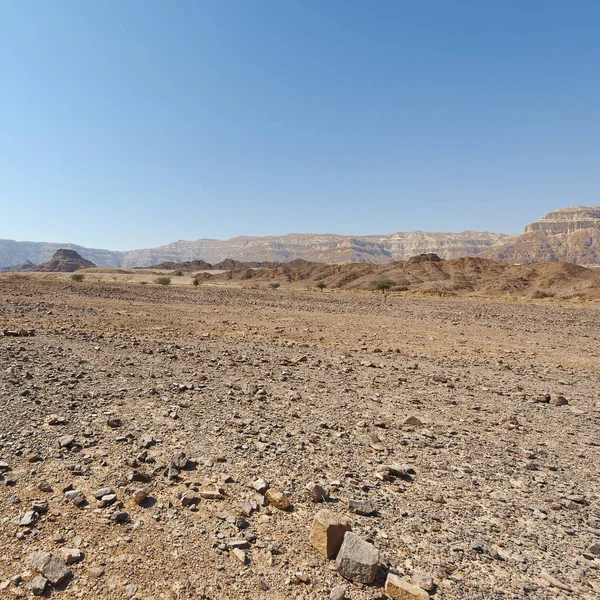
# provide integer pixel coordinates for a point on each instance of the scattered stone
(53, 568)
(317, 493)
(39, 506)
(139, 496)
(361, 507)
(240, 555)
(425, 582)
(37, 586)
(189, 498)
(210, 494)
(28, 519)
(105, 491)
(357, 560)
(399, 589)
(65, 441)
(95, 572)
(180, 461)
(594, 549)
(327, 533)
(76, 497)
(261, 486)
(248, 508)
(278, 499)
(146, 440)
(558, 401)
(120, 516)
(338, 592)
(71, 555)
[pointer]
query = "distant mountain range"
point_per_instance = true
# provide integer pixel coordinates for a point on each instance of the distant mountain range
(570, 234)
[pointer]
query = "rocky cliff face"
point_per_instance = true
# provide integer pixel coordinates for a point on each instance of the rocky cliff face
(566, 220)
(571, 234)
(327, 248)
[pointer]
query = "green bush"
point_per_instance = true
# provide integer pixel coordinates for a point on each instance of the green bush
(78, 277)
(163, 280)
(321, 285)
(274, 285)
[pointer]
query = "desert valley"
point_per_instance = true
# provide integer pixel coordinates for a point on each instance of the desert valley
(421, 428)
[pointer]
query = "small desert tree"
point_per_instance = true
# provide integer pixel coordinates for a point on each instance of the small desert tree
(195, 282)
(274, 285)
(321, 284)
(163, 280)
(78, 277)
(383, 285)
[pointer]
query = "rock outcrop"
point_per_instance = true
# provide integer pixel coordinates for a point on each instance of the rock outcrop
(64, 261)
(568, 234)
(566, 220)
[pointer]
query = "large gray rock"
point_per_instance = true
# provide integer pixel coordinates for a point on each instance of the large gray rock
(53, 568)
(357, 560)
(56, 571)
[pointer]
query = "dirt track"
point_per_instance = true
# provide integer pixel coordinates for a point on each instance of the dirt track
(298, 387)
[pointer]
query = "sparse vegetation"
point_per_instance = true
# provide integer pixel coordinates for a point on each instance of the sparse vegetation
(274, 285)
(78, 277)
(321, 284)
(16, 277)
(195, 282)
(383, 284)
(163, 280)
(541, 294)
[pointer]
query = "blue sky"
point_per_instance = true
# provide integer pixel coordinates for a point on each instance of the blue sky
(134, 123)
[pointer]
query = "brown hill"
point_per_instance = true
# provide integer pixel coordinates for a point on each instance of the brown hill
(26, 266)
(430, 275)
(64, 261)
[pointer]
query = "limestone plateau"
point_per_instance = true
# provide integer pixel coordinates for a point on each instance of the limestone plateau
(569, 234)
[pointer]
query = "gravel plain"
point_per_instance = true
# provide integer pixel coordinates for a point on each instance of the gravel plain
(136, 422)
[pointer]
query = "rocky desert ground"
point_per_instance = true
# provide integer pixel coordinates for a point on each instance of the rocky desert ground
(161, 442)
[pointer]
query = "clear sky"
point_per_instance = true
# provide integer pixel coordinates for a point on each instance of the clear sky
(133, 123)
